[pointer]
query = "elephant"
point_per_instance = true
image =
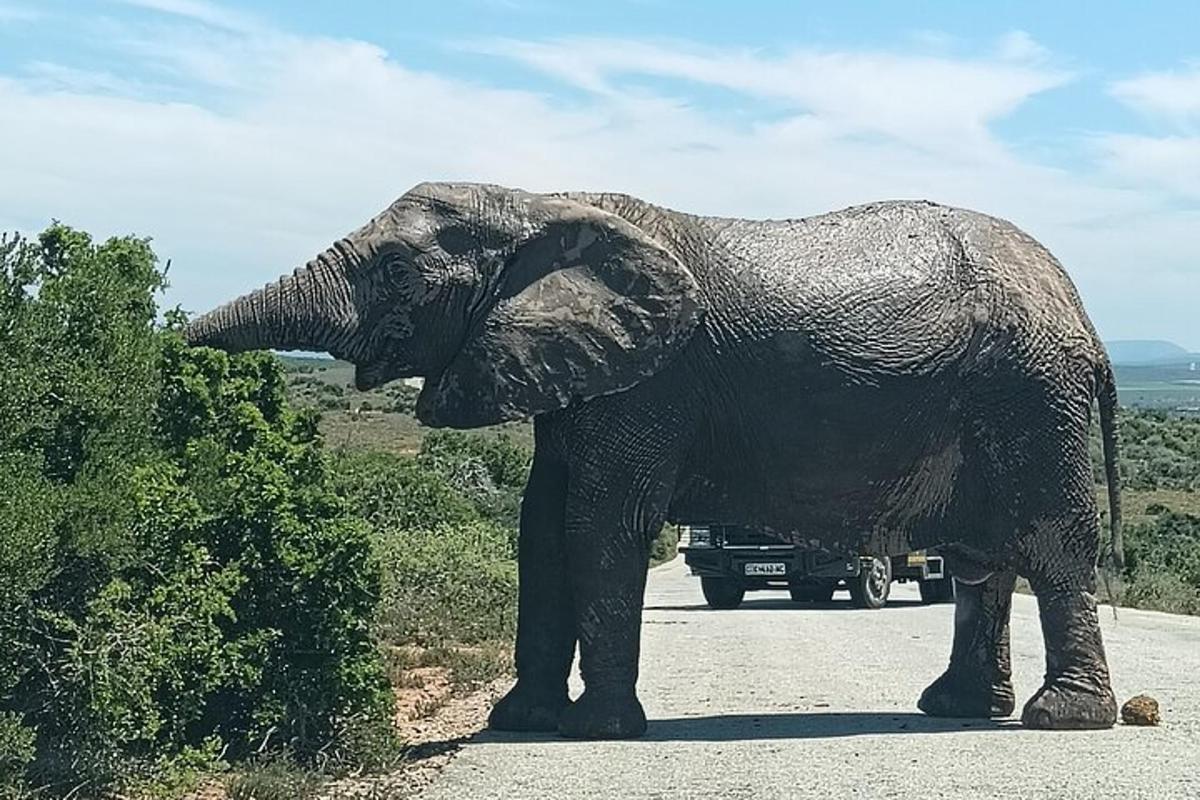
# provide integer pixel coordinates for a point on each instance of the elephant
(885, 378)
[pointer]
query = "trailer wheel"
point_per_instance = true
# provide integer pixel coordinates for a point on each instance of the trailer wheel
(871, 587)
(939, 590)
(813, 592)
(722, 592)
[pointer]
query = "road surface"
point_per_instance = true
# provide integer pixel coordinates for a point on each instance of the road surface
(778, 700)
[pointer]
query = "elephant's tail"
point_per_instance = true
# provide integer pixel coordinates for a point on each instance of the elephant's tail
(1106, 395)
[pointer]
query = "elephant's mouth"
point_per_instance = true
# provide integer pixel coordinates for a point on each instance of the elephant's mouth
(372, 374)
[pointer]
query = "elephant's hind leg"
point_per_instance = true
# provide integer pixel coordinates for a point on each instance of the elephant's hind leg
(978, 682)
(545, 621)
(1058, 553)
(1076, 692)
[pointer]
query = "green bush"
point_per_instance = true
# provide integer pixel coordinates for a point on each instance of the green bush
(1159, 450)
(1163, 562)
(488, 470)
(449, 584)
(177, 578)
(275, 778)
(446, 538)
(1161, 591)
(395, 492)
(404, 399)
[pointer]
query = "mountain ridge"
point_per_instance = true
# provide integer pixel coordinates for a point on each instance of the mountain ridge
(1148, 352)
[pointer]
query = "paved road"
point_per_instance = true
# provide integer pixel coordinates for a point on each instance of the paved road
(777, 700)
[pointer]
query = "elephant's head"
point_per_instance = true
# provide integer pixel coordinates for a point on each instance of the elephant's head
(508, 303)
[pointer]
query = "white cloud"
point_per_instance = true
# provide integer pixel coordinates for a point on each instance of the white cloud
(1019, 46)
(1172, 162)
(934, 103)
(287, 142)
(1173, 95)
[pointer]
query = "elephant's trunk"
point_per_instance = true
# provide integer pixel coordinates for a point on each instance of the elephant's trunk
(312, 309)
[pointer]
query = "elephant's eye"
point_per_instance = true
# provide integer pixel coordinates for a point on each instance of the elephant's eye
(455, 241)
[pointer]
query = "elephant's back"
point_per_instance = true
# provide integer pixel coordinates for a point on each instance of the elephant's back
(899, 287)
(877, 288)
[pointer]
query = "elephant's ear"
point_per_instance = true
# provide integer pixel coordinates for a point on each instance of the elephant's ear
(589, 305)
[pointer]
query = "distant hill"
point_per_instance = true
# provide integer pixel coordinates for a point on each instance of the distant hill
(1146, 352)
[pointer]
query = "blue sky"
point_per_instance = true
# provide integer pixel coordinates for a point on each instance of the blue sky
(244, 137)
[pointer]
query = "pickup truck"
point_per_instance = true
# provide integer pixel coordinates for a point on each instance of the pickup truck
(733, 559)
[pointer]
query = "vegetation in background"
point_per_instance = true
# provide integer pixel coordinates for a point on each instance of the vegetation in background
(1162, 551)
(1160, 450)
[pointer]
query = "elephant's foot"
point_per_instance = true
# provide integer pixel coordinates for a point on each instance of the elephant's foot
(529, 709)
(952, 695)
(603, 716)
(1065, 704)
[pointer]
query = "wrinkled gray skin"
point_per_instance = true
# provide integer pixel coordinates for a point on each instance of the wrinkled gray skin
(884, 378)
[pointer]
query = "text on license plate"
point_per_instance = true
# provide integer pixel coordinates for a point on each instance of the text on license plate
(768, 568)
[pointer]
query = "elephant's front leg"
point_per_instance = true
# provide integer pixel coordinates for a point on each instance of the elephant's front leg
(617, 501)
(545, 620)
(978, 682)
(608, 568)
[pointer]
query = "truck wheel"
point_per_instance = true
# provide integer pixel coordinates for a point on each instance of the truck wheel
(722, 592)
(873, 584)
(940, 590)
(812, 592)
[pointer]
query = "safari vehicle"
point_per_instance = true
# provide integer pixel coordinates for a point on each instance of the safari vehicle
(734, 559)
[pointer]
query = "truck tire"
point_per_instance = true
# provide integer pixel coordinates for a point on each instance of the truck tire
(722, 592)
(812, 592)
(940, 590)
(870, 588)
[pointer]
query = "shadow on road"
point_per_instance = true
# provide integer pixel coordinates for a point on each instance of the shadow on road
(783, 604)
(809, 725)
(800, 725)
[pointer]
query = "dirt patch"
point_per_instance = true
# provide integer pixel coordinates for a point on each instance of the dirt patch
(434, 741)
(420, 692)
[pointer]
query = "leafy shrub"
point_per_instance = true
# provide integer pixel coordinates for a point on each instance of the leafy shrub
(404, 399)
(489, 470)
(1162, 591)
(177, 578)
(449, 559)
(452, 583)
(1159, 450)
(1163, 561)
(397, 492)
(276, 778)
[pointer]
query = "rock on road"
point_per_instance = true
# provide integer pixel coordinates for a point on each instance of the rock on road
(778, 700)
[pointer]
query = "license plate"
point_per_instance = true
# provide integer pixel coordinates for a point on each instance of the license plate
(772, 568)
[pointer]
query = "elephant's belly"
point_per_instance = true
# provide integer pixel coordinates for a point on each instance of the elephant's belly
(867, 468)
